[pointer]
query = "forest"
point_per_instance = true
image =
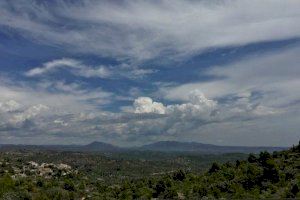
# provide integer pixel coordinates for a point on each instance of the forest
(36, 174)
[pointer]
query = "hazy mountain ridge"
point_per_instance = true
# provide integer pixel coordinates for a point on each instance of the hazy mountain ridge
(163, 146)
(100, 146)
(205, 148)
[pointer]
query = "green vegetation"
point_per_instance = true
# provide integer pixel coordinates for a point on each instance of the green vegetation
(141, 175)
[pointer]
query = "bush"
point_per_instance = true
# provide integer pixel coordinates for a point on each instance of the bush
(179, 176)
(6, 184)
(160, 187)
(214, 168)
(69, 185)
(263, 157)
(252, 158)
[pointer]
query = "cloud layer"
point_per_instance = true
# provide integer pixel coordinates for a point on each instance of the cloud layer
(114, 82)
(274, 75)
(140, 30)
(73, 118)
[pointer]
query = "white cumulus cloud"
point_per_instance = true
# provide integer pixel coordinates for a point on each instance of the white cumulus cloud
(147, 105)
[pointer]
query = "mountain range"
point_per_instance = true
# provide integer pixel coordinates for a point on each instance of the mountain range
(161, 146)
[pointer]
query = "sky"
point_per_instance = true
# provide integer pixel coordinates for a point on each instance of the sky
(129, 73)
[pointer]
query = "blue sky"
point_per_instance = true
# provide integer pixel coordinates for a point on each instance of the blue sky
(135, 72)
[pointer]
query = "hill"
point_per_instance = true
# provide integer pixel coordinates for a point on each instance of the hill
(94, 146)
(99, 146)
(174, 146)
(162, 146)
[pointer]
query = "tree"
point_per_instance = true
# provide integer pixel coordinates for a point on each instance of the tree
(160, 187)
(253, 176)
(252, 158)
(295, 190)
(179, 176)
(214, 168)
(270, 171)
(263, 157)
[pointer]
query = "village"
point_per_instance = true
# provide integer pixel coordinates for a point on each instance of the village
(32, 168)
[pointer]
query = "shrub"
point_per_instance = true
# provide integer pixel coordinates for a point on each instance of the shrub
(214, 168)
(69, 185)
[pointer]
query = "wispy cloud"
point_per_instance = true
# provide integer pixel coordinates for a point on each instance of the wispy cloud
(79, 68)
(139, 30)
(274, 75)
(52, 66)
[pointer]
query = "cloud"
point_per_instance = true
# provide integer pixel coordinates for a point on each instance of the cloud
(69, 116)
(40, 114)
(9, 106)
(53, 66)
(15, 116)
(101, 72)
(146, 105)
(56, 110)
(58, 94)
(198, 111)
(80, 69)
(60, 122)
(141, 30)
(28, 113)
(76, 67)
(250, 98)
(237, 97)
(198, 103)
(275, 76)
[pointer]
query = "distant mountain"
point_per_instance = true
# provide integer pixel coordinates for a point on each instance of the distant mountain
(162, 146)
(94, 146)
(174, 146)
(7, 147)
(100, 146)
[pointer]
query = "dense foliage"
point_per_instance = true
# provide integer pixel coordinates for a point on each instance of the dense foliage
(265, 175)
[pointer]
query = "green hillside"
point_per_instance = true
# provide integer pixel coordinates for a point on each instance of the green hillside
(260, 176)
